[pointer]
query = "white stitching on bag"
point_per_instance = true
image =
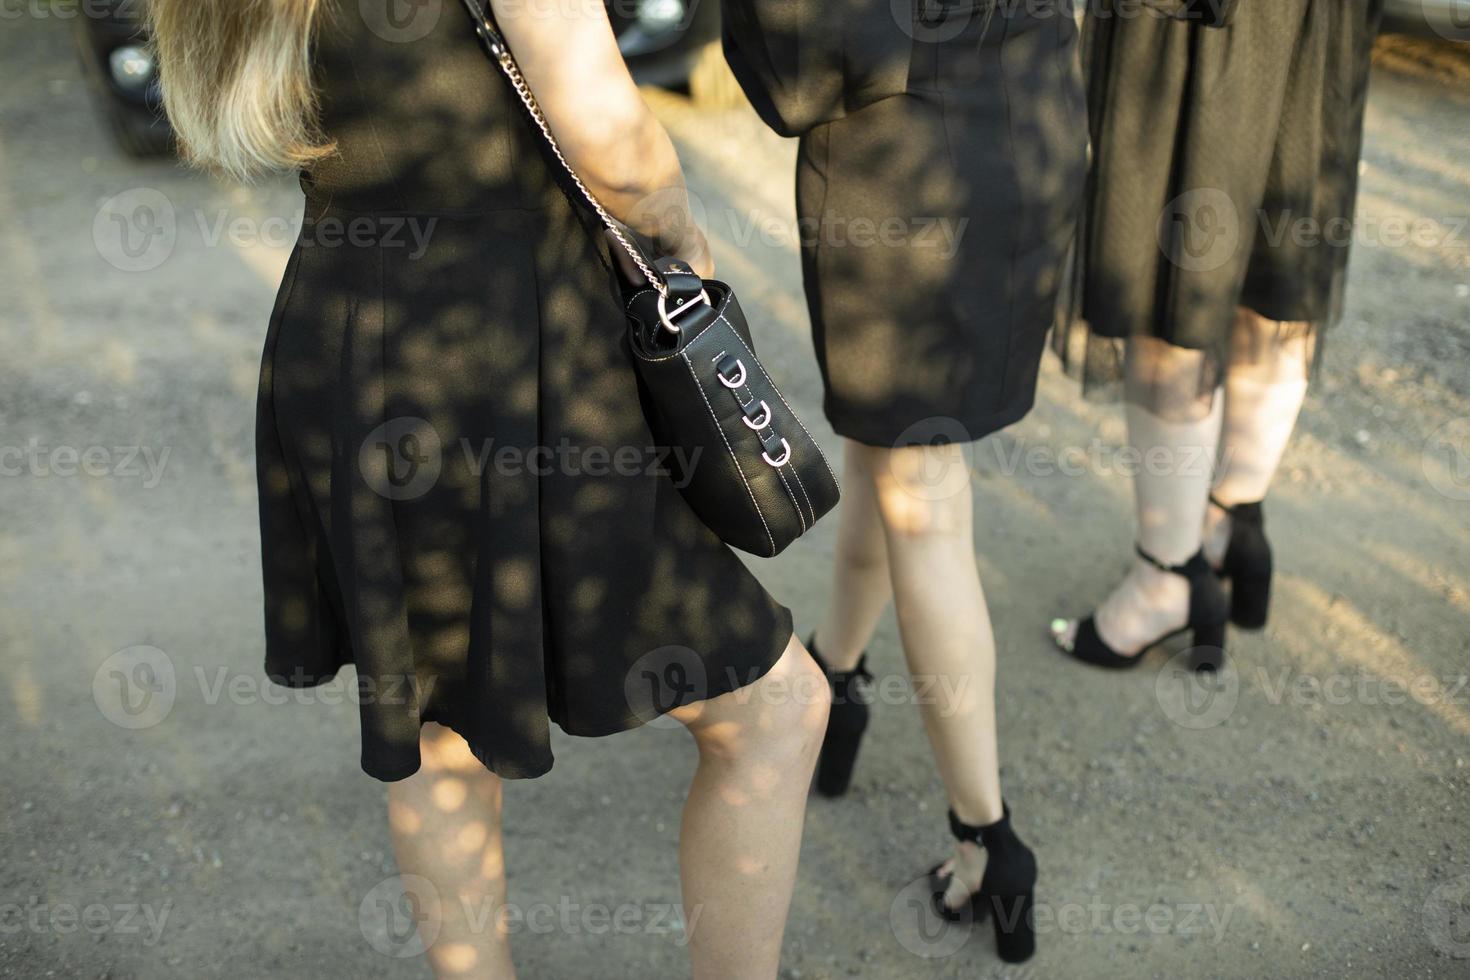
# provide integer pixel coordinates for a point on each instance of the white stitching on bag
(794, 505)
(755, 503)
(783, 400)
(750, 396)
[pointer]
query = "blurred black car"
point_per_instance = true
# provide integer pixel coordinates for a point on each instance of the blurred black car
(122, 76)
(666, 42)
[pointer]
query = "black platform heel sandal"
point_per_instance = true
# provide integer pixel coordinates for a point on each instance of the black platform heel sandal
(1247, 565)
(1208, 612)
(1007, 891)
(846, 722)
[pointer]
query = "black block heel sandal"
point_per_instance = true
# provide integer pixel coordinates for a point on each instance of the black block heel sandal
(1007, 891)
(1208, 612)
(1247, 565)
(846, 722)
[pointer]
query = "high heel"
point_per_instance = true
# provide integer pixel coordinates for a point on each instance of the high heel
(1007, 892)
(846, 722)
(1208, 612)
(1247, 565)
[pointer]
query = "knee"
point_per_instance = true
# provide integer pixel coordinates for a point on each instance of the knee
(922, 491)
(777, 722)
(912, 510)
(865, 553)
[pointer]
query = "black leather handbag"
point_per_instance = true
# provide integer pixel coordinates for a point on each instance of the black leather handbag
(756, 476)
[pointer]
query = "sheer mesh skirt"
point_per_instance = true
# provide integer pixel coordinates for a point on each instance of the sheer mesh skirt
(1224, 174)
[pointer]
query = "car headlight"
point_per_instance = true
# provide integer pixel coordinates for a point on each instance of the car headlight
(132, 67)
(660, 15)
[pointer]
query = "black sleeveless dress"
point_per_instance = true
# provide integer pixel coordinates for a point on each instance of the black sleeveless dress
(936, 223)
(458, 491)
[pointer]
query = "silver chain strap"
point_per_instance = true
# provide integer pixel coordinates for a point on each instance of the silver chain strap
(500, 54)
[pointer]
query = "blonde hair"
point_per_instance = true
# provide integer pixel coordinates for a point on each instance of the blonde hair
(237, 82)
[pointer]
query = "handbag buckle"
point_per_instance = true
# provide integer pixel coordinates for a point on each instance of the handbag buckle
(667, 316)
(737, 380)
(750, 418)
(785, 455)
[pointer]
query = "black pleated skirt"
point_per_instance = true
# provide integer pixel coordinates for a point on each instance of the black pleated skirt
(459, 495)
(935, 226)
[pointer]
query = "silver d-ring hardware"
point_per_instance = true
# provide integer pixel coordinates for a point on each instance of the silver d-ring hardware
(735, 382)
(765, 418)
(785, 455)
(667, 318)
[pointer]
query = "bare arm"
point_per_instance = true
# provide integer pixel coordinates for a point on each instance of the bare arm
(570, 58)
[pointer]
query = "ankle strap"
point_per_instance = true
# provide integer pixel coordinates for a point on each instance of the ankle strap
(1248, 506)
(980, 835)
(1193, 568)
(861, 670)
(1244, 513)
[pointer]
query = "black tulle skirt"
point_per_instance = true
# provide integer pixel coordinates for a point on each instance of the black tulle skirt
(1224, 174)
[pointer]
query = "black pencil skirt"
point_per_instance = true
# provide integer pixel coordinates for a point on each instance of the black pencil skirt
(935, 226)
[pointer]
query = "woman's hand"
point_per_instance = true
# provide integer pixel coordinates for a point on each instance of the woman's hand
(695, 252)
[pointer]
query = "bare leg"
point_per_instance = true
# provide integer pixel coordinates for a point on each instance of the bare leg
(861, 586)
(910, 510)
(924, 501)
(1174, 428)
(445, 820)
(741, 833)
(1264, 391)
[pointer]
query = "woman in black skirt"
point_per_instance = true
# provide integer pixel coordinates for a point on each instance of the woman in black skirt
(939, 168)
(444, 402)
(1218, 226)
